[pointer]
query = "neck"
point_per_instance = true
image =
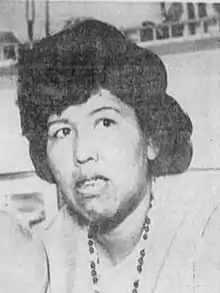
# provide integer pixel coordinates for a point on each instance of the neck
(117, 244)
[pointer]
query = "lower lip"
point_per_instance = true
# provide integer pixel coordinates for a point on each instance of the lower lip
(87, 197)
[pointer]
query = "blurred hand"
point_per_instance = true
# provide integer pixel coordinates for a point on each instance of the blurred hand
(23, 264)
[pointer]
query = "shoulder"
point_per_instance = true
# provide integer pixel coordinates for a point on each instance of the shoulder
(207, 259)
(23, 264)
(61, 241)
(193, 200)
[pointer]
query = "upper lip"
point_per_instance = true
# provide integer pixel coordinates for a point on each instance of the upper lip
(84, 179)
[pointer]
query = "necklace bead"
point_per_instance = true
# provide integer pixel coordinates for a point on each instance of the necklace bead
(90, 242)
(139, 268)
(91, 249)
(146, 228)
(136, 284)
(140, 259)
(92, 265)
(142, 252)
(148, 221)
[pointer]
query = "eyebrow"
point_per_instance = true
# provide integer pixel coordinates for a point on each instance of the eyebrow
(60, 120)
(66, 121)
(104, 108)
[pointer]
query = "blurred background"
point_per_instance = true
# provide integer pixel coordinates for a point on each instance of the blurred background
(185, 34)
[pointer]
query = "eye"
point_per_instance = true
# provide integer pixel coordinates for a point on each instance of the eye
(63, 132)
(106, 122)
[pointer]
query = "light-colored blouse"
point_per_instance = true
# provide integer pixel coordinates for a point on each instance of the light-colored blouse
(182, 250)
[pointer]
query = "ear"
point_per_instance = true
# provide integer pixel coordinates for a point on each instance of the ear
(152, 151)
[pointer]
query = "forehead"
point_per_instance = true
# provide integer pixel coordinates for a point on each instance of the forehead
(102, 99)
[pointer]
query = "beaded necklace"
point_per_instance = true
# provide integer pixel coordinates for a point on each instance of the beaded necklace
(140, 263)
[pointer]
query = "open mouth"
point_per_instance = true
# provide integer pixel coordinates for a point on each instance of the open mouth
(92, 186)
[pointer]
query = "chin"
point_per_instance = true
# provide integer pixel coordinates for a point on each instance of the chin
(99, 216)
(102, 220)
(93, 213)
(106, 221)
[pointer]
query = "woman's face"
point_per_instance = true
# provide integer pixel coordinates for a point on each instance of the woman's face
(98, 157)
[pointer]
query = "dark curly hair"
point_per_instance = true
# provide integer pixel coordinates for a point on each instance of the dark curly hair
(69, 67)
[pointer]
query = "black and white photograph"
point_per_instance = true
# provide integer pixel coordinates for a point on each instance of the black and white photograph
(109, 146)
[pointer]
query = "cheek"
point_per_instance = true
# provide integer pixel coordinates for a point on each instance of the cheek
(119, 145)
(60, 158)
(123, 156)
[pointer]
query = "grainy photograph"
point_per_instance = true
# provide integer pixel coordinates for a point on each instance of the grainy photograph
(109, 147)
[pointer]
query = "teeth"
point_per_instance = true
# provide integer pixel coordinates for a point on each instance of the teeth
(93, 181)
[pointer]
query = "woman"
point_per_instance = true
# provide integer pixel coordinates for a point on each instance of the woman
(102, 128)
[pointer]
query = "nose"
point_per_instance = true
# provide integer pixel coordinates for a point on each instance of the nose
(85, 150)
